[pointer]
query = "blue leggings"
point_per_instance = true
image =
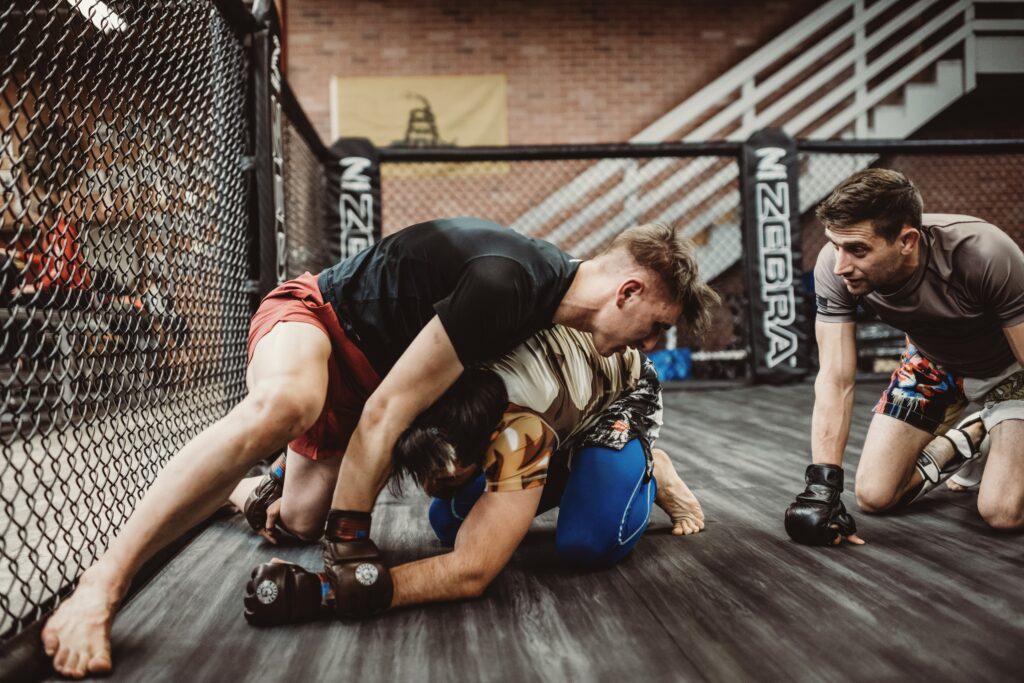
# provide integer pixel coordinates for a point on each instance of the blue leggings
(603, 510)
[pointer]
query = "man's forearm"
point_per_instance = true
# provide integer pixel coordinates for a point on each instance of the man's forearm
(366, 465)
(435, 579)
(491, 533)
(428, 367)
(830, 421)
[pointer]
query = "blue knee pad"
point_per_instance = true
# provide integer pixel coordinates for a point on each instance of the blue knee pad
(446, 516)
(606, 506)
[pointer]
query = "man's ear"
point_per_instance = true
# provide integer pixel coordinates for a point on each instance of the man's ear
(628, 289)
(909, 238)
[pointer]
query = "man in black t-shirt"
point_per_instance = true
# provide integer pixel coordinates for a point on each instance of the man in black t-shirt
(340, 364)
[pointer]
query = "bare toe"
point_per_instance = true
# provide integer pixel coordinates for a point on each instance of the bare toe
(100, 662)
(50, 639)
(78, 634)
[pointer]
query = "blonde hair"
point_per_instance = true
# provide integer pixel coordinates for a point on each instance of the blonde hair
(658, 248)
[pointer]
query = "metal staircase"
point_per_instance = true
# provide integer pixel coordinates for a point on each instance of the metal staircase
(850, 69)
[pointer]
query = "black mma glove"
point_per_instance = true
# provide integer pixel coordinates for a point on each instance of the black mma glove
(818, 516)
(361, 582)
(284, 594)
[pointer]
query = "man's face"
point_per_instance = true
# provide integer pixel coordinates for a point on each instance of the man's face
(868, 262)
(637, 317)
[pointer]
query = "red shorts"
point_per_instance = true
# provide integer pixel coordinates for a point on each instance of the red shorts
(351, 378)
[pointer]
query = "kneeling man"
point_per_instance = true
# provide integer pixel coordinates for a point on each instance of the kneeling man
(552, 424)
(955, 285)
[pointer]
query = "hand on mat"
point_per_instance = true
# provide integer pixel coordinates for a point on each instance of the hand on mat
(676, 498)
(280, 592)
(818, 516)
(852, 538)
(270, 532)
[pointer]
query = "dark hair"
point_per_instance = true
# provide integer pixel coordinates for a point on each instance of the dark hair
(456, 429)
(884, 197)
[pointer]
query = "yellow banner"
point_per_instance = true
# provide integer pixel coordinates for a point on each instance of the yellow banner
(424, 112)
(421, 111)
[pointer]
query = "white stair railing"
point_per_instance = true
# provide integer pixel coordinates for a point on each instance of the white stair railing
(835, 100)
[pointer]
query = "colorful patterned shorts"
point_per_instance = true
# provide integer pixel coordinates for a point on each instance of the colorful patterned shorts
(923, 394)
(927, 396)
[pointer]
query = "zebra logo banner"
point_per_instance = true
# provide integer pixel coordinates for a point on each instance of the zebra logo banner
(354, 194)
(772, 253)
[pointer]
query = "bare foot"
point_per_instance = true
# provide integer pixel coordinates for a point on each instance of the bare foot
(77, 636)
(675, 497)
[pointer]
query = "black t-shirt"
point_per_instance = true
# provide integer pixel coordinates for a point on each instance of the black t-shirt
(491, 287)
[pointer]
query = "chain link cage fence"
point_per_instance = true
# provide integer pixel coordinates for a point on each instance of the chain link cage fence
(305, 185)
(128, 226)
(124, 267)
(581, 204)
(952, 179)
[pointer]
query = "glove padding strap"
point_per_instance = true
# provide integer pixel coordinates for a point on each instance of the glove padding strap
(818, 516)
(362, 583)
(266, 491)
(284, 594)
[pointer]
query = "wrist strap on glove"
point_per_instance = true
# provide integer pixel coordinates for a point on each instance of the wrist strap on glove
(361, 581)
(347, 525)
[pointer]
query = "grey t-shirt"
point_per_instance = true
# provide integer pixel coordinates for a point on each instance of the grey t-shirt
(967, 288)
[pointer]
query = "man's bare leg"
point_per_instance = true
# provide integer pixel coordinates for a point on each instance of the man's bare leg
(308, 489)
(287, 380)
(303, 507)
(886, 470)
(1001, 496)
(887, 467)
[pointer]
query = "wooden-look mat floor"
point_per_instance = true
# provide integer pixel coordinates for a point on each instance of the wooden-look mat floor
(933, 595)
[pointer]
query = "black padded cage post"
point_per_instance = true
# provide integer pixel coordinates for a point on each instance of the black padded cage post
(771, 232)
(297, 228)
(268, 152)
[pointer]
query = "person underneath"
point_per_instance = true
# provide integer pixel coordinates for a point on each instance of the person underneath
(551, 424)
(955, 285)
(340, 363)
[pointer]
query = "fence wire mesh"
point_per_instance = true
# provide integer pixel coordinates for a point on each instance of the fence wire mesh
(305, 186)
(123, 268)
(125, 252)
(984, 185)
(581, 205)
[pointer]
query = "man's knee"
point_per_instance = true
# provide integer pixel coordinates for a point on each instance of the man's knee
(589, 552)
(1002, 513)
(282, 410)
(447, 514)
(875, 496)
(302, 521)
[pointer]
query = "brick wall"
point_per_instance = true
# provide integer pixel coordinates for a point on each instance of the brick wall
(577, 72)
(987, 186)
